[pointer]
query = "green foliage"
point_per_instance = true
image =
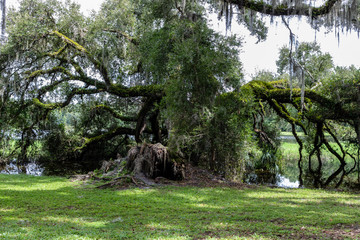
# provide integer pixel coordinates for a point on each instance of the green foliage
(223, 141)
(342, 84)
(64, 133)
(58, 156)
(195, 63)
(230, 133)
(309, 57)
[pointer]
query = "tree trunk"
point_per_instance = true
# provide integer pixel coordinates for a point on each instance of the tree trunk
(150, 161)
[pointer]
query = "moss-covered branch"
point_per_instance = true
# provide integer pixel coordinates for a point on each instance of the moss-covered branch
(107, 136)
(154, 91)
(331, 109)
(47, 106)
(283, 113)
(57, 69)
(57, 53)
(69, 97)
(284, 9)
(71, 61)
(98, 65)
(71, 42)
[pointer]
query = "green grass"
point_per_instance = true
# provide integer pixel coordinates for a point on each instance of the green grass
(292, 149)
(55, 208)
(290, 134)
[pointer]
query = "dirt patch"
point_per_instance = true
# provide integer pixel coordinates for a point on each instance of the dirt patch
(343, 231)
(339, 231)
(199, 177)
(193, 176)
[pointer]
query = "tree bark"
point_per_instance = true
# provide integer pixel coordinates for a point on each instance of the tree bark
(150, 161)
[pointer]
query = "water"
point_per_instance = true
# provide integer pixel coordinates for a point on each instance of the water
(31, 169)
(284, 182)
(278, 181)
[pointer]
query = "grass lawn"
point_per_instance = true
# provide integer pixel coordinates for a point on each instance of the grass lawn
(55, 208)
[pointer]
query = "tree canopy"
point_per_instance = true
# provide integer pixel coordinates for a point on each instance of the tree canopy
(142, 71)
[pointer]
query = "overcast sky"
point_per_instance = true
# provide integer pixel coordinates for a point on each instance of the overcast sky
(264, 55)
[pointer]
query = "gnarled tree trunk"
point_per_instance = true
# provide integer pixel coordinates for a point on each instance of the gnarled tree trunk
(152, 161)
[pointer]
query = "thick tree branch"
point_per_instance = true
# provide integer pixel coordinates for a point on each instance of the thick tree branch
(284, 9)
(57, 69)
(69, 97)
(154, 91)
(106, 136)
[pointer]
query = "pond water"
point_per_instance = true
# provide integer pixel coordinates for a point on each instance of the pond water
(284, 182)
(31, 169)
(276, 180)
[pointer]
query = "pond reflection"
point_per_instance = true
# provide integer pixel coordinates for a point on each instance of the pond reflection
(31, 169)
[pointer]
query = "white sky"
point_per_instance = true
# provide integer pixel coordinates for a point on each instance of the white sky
(264, 55)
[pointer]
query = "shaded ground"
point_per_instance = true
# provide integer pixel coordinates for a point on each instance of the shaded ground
(194, 176)
(55, 208)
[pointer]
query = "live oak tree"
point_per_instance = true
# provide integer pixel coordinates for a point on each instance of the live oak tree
(120, 63)
(153, 71)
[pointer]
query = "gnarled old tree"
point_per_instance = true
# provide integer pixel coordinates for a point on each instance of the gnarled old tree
(120, 64)
(147, 71)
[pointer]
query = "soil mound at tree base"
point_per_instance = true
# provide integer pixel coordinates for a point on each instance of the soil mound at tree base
(150, 165)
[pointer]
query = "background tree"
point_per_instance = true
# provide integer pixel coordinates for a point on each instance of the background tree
(307, 60)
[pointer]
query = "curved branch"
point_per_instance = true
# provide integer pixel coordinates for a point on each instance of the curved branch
(283, 113)
(69, 97)
(107, 136)
(98, 65)
(337, 155)
(317, 144)
(57, 69)
(54, 54)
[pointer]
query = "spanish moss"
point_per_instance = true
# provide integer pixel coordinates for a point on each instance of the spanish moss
(3, 15)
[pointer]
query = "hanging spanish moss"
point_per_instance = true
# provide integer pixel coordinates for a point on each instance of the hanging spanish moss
(343, 15)
(3, 15)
